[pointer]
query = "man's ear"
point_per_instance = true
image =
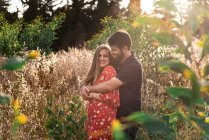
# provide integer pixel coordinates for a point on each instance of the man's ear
(125, 47)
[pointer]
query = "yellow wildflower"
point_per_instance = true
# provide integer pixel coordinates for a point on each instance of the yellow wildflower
(204, 89)
(181, 110)
(116, 125)
(187, 73)
(22, 119)
(201, 114)
(201, 43)
(202, 73)
(135, 24)
(34, 54)
(16, 105)
(207, 120)
(162, 68)
(194, 123)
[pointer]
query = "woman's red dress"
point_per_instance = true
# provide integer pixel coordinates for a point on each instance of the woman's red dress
(100, 113)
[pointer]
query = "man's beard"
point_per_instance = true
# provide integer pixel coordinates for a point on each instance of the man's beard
(118, 58)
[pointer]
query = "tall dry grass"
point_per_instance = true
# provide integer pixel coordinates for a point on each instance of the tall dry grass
(56, 75)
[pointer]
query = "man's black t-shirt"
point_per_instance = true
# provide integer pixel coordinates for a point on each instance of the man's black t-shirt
(130, 73)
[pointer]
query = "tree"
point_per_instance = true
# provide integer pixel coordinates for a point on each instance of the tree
(83, 20)
(4, 5)
(135, 6)
(32, 12)
(43, 8)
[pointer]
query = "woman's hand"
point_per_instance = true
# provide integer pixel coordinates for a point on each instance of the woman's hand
(85, 93)
(93, 95)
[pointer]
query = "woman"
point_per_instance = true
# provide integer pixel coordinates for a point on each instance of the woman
(102, 108)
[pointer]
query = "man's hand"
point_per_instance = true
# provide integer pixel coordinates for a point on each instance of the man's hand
(85, 93)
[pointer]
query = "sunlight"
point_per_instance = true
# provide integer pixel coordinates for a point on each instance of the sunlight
(14, 5)
(182, 5)
(124, 3)
(147, 6)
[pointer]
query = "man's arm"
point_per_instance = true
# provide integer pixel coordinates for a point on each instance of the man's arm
(106, 86)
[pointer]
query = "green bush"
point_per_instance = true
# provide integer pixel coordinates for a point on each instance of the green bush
(31, 36)
(9, 42)
(39, 34)
(67, 123)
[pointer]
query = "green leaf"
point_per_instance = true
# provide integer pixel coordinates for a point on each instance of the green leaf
(61, 112)
(206, 98)
(171, 118)
(140, 117)
(166, 38)
(14, 63)
(205, 50)
(202, 124)
(181, 93)
(119, 135)
(177, 24)
(48, 111)
(195, 18)
(182, 68)
(149, 122)
(4, 99)
(173, 65)
(184, 50)
(151, 21)
(155, 127)
(78, 106)
(51, 123)
(72, 107)
(117, 130)
(175, 92)
(167, 5)
(82, 121)
(72, 121)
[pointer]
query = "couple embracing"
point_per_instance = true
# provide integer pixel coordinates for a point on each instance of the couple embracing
(112, 87)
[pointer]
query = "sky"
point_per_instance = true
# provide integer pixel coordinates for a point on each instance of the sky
(146, 5)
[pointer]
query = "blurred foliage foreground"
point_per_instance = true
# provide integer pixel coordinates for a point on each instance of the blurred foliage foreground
(179, 43)
(175, 89)
(187, 103)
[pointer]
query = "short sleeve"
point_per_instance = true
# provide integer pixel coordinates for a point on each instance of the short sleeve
(108, 73)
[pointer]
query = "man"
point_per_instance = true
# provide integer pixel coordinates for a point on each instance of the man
(128, 79)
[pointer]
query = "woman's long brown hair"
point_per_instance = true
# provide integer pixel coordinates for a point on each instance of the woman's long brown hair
(95, 70)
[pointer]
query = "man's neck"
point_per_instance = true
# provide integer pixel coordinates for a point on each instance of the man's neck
(125, 57)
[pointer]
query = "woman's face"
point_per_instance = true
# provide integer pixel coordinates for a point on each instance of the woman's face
(104, 58)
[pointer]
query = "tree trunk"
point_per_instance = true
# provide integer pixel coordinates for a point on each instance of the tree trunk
(135, 6)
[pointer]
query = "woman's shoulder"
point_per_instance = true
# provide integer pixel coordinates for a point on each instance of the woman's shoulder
(109, 68)
(109, 72)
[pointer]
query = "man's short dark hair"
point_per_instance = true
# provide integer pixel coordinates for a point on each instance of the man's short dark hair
(120, 38)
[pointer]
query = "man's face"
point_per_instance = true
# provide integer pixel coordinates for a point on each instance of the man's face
(116, 53)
